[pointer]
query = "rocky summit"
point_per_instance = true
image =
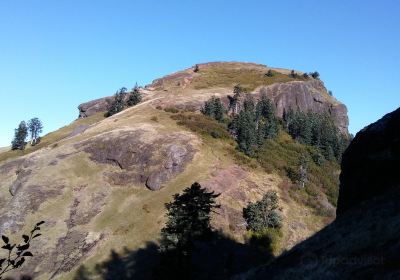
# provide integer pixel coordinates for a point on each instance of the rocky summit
(101, 184)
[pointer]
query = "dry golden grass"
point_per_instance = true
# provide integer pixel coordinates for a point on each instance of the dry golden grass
(227, 77)
(52, 138)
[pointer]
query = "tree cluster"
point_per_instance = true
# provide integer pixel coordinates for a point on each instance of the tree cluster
(263, 214)
(317, 130)
(121, 101)
(214, 109)
(134, 97)
(33, 128)
(255, 123)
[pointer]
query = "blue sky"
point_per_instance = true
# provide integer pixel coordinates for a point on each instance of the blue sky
(55, 55)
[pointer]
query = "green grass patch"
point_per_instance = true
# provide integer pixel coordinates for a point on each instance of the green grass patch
(267, 240)
(282, 156)
(202, 125)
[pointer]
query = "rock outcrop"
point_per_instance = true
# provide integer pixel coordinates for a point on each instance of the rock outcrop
(92, 107)
(306, 96)
(370, 165)
(143, 158)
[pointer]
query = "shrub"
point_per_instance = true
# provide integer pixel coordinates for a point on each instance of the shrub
(172, 110)
(154, 119)
(269, 73)
(267, 239)
(202, 124)
(264, 213)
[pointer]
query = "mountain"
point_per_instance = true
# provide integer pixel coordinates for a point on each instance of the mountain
(363, 242)
(101, 183)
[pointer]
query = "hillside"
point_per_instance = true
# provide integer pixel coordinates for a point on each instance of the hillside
(101, 183)
(363, 242)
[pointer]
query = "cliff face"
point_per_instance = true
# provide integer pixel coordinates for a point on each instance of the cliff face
(371, 163)
(219, 79)
(310, 95)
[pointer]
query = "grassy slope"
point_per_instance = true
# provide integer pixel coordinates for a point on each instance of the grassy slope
(226, 77)
(134, 215)
(51, 138)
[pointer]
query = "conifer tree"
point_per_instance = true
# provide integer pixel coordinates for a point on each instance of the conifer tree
(134, 97)
(21, 133)
(35, 128)
(188, 219)
(213, 108)
(118, 103)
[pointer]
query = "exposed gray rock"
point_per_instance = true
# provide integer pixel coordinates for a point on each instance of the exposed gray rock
(140, 160)
(22, 178)
(92, 107)
(78, 130)
(306, 96)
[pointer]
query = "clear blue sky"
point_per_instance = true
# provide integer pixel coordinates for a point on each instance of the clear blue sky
(56, 54)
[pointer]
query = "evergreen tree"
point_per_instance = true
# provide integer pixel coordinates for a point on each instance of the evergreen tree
(196, 68)
(317, 130)
(234, 100)
(35, 128)
(134, 97)
(305, 75)
(21, 133)
(188, 219)
(264, 213)
(315, 75)
(214, 108)
(118, 103)
(293, 74)
(303, 171)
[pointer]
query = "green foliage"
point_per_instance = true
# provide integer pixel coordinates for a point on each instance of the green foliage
(118, 103)
(18, 143)
(214, 109)
(35, 127)
(17, 254)
(254, 123)
(134, 97)
(203, 125)
(305, 76)
(282, 155)
(317, 130)
(196, 68)
(188, 219)
(269, 73)
(315, 75)
(267, 239)
(264, 213)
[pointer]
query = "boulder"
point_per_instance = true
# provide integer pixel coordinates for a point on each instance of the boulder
(92, 107)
